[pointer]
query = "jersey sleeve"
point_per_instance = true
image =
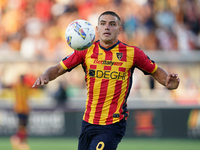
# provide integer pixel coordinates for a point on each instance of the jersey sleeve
(143, 62)
(73, 60)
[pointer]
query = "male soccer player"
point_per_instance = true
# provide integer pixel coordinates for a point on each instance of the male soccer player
(108, 66)
(21, 108)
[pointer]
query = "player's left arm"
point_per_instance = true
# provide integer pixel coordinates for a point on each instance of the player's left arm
(169, 80)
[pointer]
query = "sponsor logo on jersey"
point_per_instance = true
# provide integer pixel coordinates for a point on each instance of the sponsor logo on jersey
(107, 62)
(107, 74)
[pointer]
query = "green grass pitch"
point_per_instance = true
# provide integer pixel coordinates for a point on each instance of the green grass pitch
(126, 144)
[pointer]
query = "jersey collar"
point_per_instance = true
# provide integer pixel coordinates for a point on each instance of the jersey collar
(109, 47)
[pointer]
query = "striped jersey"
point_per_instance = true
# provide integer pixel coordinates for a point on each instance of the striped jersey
(108, 74)
(22, 93)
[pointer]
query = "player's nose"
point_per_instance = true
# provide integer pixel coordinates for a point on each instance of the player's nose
(107, 27)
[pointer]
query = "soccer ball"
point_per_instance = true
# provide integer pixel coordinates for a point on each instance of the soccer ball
(80, 35)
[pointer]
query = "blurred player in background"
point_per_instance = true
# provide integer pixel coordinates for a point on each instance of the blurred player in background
(109, 65)
(61, 96)
(21, 108)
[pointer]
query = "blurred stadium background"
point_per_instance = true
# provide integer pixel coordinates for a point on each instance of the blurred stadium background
(32, 39)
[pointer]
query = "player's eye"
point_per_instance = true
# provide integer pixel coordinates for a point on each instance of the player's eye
(113, 24)
(102, 23)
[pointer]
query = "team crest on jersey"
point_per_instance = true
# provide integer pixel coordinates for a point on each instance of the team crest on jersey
(119, 55)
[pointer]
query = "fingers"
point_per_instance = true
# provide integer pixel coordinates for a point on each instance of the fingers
(174, 76)
(40, 81)
(37, 82)
(172, 81)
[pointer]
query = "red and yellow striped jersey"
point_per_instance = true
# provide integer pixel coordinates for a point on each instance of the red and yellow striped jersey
(108, 78)
(21, 92)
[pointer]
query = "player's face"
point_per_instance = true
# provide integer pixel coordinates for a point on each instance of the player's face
(108, 29)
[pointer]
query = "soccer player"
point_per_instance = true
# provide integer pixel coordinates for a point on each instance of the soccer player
(108, 66)
(21, 108)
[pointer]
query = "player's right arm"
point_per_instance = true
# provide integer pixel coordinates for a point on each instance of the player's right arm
(67, 64)
(49, 74)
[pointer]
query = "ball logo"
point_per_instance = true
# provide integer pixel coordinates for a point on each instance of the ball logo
(79, 30)
(69, 39)
(88, 23)
(82, 33)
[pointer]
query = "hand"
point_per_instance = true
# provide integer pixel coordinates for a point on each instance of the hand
(172, 81)
(43, 79)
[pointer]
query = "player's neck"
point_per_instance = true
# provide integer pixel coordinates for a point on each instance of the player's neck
(108, 44)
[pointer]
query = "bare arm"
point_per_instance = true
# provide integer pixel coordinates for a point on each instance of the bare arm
(50, 74)
(171, 81)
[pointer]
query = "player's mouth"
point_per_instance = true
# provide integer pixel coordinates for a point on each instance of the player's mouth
(107, 34)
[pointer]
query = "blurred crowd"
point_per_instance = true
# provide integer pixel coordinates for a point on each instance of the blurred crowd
(35, 28)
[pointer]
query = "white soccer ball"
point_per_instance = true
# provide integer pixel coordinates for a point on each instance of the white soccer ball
(80, 34)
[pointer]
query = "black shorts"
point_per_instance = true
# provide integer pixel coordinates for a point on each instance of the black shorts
(23, 119)
(101, 137)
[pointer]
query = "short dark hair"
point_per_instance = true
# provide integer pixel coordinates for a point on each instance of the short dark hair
(110, 13)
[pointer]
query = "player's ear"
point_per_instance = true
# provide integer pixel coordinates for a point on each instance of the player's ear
(120, 29)
(97, 29)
